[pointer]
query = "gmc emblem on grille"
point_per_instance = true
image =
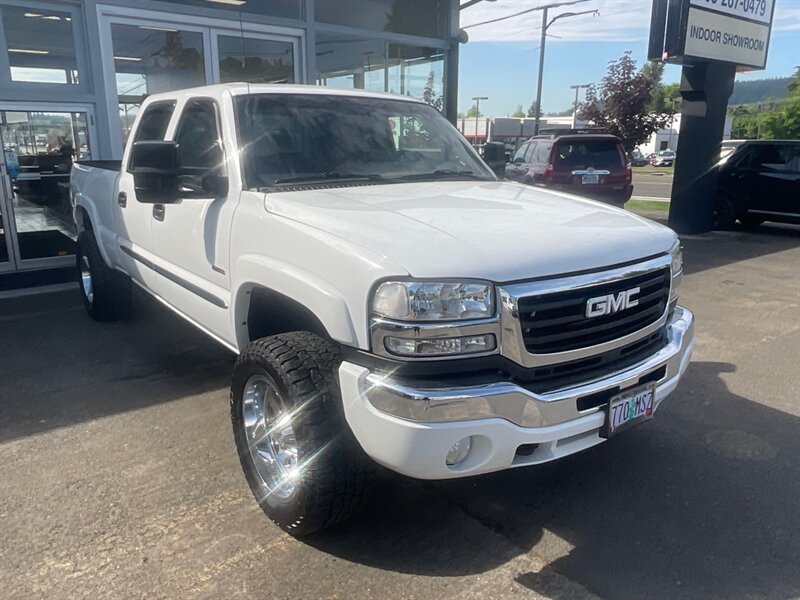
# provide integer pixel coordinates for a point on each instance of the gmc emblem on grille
(611, 303)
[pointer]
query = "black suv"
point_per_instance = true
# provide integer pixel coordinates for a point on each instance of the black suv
(586, 164)
(759, 181)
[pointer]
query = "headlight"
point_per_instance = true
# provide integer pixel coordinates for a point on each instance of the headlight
(677, 273)
(677, 258)
(433, 301)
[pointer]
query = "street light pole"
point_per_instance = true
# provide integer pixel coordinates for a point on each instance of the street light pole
(477, 100)
(545, 26)
(577, 88)
(538, 108)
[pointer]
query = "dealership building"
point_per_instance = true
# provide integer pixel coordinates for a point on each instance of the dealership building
(74, 73)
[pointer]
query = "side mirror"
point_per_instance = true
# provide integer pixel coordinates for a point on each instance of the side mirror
(154, 166)
(494, 155)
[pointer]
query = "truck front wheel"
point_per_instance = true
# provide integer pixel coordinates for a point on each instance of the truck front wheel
(300, 459)
(106, 293)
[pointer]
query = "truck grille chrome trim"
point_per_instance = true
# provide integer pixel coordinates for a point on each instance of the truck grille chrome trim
(544, 322)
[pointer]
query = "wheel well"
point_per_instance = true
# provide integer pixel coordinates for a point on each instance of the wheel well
(82, 219)
(271, 313)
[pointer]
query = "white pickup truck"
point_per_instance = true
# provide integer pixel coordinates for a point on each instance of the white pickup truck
(387, 296)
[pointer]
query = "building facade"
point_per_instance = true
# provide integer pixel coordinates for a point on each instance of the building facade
(73, 74)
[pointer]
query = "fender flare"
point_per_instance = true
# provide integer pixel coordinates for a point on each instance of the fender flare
(317, 295)
(81, 207)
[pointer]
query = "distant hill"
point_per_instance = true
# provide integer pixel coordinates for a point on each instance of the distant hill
(759, 90)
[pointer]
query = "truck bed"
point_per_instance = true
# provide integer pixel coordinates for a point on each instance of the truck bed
(108, 165)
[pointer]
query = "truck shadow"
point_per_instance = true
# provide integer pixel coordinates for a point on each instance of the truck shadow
(62, 368)
(699, 503)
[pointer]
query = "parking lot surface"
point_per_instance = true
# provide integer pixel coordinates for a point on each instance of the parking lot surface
(119, 478)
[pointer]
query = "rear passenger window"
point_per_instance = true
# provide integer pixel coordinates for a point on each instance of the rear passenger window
(154, 121)
(543, 155)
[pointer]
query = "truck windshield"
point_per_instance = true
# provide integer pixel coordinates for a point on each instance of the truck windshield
(292, 139)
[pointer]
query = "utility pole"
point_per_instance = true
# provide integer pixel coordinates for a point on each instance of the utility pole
(577, 88)
(545, 26)
(477, 100)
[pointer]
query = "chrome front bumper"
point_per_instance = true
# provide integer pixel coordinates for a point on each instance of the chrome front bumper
(520, 406)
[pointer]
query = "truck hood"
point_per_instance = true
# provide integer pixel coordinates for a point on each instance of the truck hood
(498, 231)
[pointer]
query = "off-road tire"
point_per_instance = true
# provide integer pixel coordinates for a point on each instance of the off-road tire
(336, 472)
(111, 290)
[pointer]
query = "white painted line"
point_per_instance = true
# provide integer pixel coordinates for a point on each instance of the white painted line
(651, 199)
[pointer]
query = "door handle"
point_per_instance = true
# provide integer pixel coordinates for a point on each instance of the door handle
(158, 212)
(122, 199)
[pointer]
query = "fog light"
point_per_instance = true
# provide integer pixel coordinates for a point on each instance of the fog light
(458, 452)
(454, 345)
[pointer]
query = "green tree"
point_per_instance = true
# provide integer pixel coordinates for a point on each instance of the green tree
(784, 122)
(620, 104)
(429, 94)
(532, 110)
(653, 71)
(519, 113)
(473, 112)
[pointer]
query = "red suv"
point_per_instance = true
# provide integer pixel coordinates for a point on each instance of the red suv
(586, 164)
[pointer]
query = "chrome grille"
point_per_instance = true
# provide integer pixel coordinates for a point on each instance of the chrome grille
(557, 322)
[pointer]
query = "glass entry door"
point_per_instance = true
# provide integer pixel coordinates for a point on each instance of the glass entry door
(39, 147)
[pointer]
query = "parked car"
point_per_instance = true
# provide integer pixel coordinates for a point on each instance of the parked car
(759, 181)
(389, 299)
(637, 159)
(665, 158)
(592, 165)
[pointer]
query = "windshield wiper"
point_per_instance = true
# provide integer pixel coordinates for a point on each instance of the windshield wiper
(327, 176)
(443, 174)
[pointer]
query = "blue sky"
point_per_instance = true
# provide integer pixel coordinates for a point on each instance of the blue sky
(501, 59)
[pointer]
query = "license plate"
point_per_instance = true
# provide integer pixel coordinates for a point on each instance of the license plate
(629, 408)
(591, 178)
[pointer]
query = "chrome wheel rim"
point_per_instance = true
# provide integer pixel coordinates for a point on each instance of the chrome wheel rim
(86, 279)
(270, 437)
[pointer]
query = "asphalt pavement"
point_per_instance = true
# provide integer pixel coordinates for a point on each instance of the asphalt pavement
(119, 478)
(649, 185)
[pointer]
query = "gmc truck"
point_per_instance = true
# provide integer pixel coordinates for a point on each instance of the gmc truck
(389, 299)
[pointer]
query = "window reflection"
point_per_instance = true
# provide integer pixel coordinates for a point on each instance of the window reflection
(153, 59)
(255, 60)
(40, 45)
(412, 17)
(43, 146)
(351, 62)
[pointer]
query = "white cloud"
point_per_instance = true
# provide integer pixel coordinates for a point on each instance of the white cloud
(619, 21)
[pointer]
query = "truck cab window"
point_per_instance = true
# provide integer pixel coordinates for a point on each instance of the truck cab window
(199, 148)
(153, 125)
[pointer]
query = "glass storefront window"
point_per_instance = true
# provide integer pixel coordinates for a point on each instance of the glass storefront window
(347, 62)
(255, 60)
(412, 17)
(418, 72)
(288, 9)
(152, 59)
(40, 45)
(44, 146)
(350, 62)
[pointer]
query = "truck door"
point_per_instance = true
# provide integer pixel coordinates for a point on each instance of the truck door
(133, 219)
(192, 236)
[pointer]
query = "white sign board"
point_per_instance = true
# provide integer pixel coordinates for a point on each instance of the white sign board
(734, 31)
